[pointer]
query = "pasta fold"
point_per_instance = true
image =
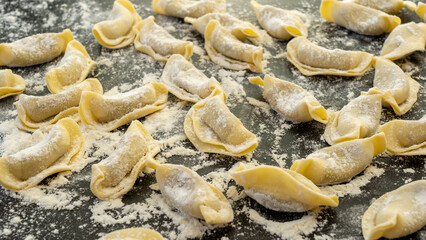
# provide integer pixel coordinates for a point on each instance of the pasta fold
(387, 6)
(133, 234)
(188, 8)
(421, 10)
(10, 84)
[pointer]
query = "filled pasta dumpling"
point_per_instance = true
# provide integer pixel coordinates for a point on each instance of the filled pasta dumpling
(188, 8)
(227, 51)
(73, 68)
(398, 89)
(405, 137)
(118, 30)
(397, 213)
(312, 59)
(133, 234)
(33, 50)
(290, 100)
(340, 162)
(10, 84)
(58, 151)
(387, 6)
(187, 191)
(185, 81)
(37, 111)
(421, 10)
(110, 112)
(115, 176)
(358, 18)
(281, 189)
(278, 22)
(155, 41)
(360, 118)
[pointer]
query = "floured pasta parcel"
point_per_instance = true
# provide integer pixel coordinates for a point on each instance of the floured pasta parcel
(397, 213)
(281, 189)
(360, 118)
(60, 150)
(155, 41)
(278, 22)
(185, 190)
(312, 59)
(115, 176)
(188, 8)
(10, 84)
(38, 111)
(133, 234)
(290, 100)
(211, 127)
(185, 81)
(227, 51)
(421, 10)
(404, 40)
(358, 18)
(387, 6)
(405, 137)
(398, 89)
(118, 30)
(72, 69)
(33, 50)
(340, 162)
(110, 112)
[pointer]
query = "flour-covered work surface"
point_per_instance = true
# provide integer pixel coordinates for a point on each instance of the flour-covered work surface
(128, 121)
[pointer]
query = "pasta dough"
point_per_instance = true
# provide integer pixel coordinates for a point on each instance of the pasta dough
(290, 100)
(227, 51)
(278, 22)
(10, 84)
(185, 190)
(281, 189)
(311, 59)
(359, 119)
(73, 68)
(421, 10)
(133, 234)
(37, 111)
(155, 41)
(59, 151)
(341, 162)
(33, 50)
(404, 40)
(211, 127)
(110, 112)
(185, 81)
(118, 30)
(115, 176)
(397, 213)
(387, 6)
(398, 89)
(358, 18)
(187, 8)
(405, 137)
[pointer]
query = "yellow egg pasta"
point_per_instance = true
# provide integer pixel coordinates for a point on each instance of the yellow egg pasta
(387, 6)
(133, 234)
(421, 11)
(10, 84)
(188, 8)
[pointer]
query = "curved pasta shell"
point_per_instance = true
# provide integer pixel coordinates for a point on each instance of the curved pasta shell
(340, 162)
(421, 10)
(278, 22)
(211, 127)
(33, 50)
(110, 112)
(185, 190)
(37, 111)
(397, 213)
(290, 100)
(187, 8)
(387, 6)
(155, 41)
(399, 90)
(73, 68)
(360, 118)
(119, 30)
(133, 234)
(358, 18)
(227, 51)
(281, 189)
(115, 176)
(404, 40)
(10, 84)
(311, 59)
(405, 137)
(62, 148)
(185, 81)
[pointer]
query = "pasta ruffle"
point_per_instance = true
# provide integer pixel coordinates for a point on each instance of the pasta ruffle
(10, 84)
